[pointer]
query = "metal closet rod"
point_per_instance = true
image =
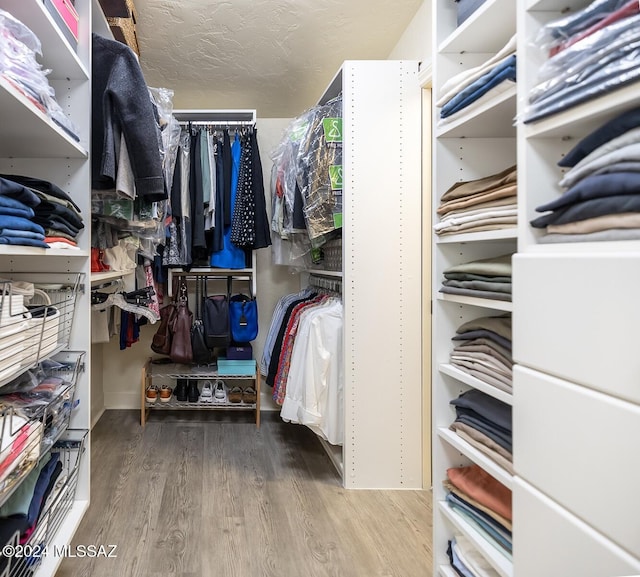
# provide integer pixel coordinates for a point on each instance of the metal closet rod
(217, 123)
(332, 284)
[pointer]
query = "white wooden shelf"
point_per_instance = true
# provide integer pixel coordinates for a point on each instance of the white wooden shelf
(57, 53)
(495, 15)
(477, 302)
(99, 277)
(467, 379)
(27, 132)
(584, 248)
(553, 6)
(482, 236)
(446, 571)
(17, 250)
(578, 121)
(490, 466)
(497, 560)
(495, 118)
(321, 272)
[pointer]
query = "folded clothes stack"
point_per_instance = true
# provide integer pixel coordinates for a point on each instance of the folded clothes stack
(593, 52)
(483, 350)
(488, 203)
(489, 278)
(484, 503)
(56, 217)
(471, 88)
(466, 560)
(485, 423)
(602, 197)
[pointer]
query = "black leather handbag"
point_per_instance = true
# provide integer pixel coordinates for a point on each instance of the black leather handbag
(200, 349)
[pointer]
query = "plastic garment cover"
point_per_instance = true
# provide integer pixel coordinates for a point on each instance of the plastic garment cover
(559, 31)
(600, 63)
(316, 157)
(18, 64)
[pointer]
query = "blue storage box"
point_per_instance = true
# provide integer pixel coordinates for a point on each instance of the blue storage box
(228, 367)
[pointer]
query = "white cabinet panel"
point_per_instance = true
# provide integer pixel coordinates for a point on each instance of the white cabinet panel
(577, 316)
(579, 447)
(548, 541)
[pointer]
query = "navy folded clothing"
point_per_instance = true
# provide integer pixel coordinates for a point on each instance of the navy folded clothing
(486, 406)
(589, 209)
(41, 185)
(18, 192)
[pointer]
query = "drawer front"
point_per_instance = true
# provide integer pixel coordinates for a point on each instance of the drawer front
(580, 448)
(578, 317)
(549, 541)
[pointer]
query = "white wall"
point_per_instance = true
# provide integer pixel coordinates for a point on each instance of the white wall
(415, 42)
(121, 370)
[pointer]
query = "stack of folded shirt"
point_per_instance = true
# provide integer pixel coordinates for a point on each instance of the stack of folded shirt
(17, 213)
(56, 212)
(484, 351)
(485, 423)
(488, 203)
(472, 88)
(488, 278)
(600, 55)
(484, 503)
(466, 560)
(602, 200)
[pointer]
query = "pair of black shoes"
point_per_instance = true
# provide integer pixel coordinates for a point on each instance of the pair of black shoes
(187, 390)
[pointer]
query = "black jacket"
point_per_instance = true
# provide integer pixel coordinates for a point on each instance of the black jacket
(121, 103)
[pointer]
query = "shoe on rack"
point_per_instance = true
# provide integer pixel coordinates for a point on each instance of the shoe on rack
(181, 390)
(151, 394)
(193, 393)
(165, 393)
(249, 396)
(235, 395)
(220, 392)
(206, 396)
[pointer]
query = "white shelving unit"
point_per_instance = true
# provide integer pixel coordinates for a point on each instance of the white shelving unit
(589, 373)
(33, 145)
(386, 387)
(475, 144)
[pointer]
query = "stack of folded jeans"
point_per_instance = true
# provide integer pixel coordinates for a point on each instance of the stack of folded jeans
(484, 503)
(17, 213)
(56, 212)
(488, 278)
(483, 350)
(602, 197)
(594, 52)
(470, 89)
(488, 203)
(485, 423)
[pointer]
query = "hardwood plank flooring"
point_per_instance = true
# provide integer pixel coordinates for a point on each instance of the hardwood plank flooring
(205, 494)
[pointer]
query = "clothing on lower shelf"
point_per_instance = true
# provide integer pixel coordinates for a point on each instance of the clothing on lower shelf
(472, 484)
(466, 560)
(602, 196)
(486, 278)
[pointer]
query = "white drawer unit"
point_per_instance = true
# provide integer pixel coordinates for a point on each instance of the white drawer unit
(576, 318)
(579, 447)
(551, 542)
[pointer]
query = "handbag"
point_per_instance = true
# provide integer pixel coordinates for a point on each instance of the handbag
(215, 318)
(201, 352)
(161, 342)
(243, 317)
(181, 351)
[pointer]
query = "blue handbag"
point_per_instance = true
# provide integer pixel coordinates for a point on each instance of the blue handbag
(243, 318)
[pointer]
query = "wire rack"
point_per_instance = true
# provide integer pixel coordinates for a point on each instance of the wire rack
(68, 452)
(36, 318)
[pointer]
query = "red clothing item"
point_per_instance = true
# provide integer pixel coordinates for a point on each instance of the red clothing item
(629, 9)
(477, 483)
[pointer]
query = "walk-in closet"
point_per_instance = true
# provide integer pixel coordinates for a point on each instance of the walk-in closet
(319, 288)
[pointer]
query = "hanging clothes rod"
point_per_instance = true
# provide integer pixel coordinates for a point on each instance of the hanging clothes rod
(217, 123)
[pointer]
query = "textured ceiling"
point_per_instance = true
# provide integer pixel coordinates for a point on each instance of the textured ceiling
(277, 56)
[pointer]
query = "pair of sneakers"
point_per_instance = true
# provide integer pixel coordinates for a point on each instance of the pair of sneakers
(153, 393)
(214, 393)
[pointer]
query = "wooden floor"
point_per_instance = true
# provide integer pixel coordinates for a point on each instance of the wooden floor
(194, 496)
